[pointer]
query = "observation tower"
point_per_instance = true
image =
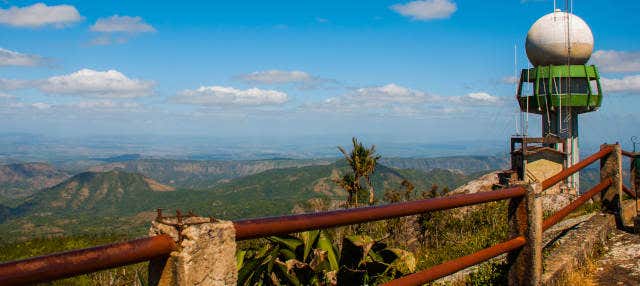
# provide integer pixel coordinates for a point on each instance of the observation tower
(560, 86)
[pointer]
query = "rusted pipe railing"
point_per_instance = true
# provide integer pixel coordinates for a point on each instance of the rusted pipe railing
(548, 183)
(562, 213)
(628, 191)
(263, 227)
(76, 262)
(67, 264)
(455, 265)
(629, 154)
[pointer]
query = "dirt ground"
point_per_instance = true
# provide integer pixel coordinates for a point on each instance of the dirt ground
(620, 264)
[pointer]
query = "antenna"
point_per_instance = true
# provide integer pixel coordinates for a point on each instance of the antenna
(515, 76)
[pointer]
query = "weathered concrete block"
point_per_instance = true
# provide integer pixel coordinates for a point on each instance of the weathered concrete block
(629, 212)
(574, 246)
(525, 218)
(206, 255)
(611, 167)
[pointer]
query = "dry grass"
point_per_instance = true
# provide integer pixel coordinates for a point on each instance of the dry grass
(582, 276)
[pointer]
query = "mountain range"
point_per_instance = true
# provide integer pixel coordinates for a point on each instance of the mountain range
(22, 180)
(122, 202)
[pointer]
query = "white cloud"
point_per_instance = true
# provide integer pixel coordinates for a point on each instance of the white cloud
(40, 14)
(616, 61)
(91, 83)
(11, 58)
(390, 98)
(12, 84)
(300, 79)
(224, 96)
(40, 105)
(477, 98)
(626, 84)
(390, 93)
(393, 99)
(105, 105)
(6, 96)
(108, 40)
(277, 77)
(510, 80)
(123, 24)
(426, 9)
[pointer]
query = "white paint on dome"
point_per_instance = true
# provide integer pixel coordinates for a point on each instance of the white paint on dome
(547, 40)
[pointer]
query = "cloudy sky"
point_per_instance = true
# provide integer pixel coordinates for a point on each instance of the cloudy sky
(427, 70)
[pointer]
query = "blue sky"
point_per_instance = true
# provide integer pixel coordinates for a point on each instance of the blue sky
(431, 70)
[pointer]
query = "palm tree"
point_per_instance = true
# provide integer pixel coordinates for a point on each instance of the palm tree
(363, 162)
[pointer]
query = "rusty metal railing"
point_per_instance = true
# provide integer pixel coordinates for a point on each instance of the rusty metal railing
(455, 265)
(629, 154)
(263, 227)
(72, 263)
(628, 191)
(548, 183)
(66, 264)
(562, 213)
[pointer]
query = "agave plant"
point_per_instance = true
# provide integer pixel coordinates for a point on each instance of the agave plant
(365, 261)
(311, 259)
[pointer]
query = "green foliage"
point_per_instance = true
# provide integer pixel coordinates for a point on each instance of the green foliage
(362, 161)
(365, 261)
(451, 234)
(490, 273)
(310, 258)
(306, 259)
(204, 174)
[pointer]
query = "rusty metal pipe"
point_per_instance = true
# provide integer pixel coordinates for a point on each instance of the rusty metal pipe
(453, 266)
(548, 183)
(629, 154)
(562, 213)
(458, 264)
(628, 191)
(263, 227)
(76, 262)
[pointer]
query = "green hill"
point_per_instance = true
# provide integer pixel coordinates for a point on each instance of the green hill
(121, 202)
(22, 180)
(466, 164)
(194, 174)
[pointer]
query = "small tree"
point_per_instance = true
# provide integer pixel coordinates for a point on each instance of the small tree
(363, 162)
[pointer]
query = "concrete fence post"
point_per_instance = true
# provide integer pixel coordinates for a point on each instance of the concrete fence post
(611, 167)
(525, 218)
(206, 254)
(635, 187)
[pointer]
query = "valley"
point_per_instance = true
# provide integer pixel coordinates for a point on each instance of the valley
(120, 198)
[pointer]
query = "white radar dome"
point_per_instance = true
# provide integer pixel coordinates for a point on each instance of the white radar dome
(550, 37)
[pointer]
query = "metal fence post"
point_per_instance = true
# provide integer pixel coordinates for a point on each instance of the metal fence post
(205, 256)
(525, 218)
(611, 167)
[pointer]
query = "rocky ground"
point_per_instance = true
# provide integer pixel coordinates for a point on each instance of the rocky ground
(620, 264)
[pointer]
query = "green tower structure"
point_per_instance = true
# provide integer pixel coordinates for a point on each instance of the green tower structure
(561, 85)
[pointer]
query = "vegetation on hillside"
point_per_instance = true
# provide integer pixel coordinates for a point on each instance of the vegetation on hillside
(410, 243)
(116, 205)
